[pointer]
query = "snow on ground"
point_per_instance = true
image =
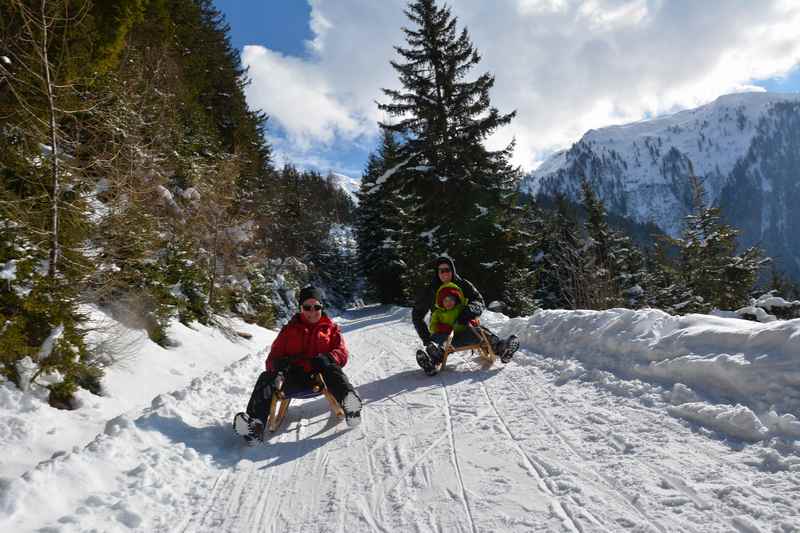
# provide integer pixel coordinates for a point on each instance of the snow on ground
(725, 360)
(560, 439)
(31, 431)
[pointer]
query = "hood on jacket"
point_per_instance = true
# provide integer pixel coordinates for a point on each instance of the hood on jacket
(441, 260)
(449, 289)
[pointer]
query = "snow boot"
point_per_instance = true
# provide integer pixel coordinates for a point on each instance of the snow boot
(424, 360)
(351, 405)
(507, 348)
(436, 353)
(425, 363)
(249, 428)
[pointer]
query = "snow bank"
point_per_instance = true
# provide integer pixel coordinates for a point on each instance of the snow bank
(31, 431)
(727, 360)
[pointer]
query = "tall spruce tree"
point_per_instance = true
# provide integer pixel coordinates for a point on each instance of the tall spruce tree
(560, 261)
(614, 265)
(459, 190)
(712, 269)
(379, 225)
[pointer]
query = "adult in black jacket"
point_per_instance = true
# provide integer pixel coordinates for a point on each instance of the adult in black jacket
(426, 301)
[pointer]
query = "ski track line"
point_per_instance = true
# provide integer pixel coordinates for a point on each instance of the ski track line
(534, 468)
(216, 500)
(610, 483)
(448, 414)
(567, 518)
(673, 478)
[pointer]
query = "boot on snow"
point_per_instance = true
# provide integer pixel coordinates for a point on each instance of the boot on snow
(351, 405)
(506, 348)
(249, 428)
(425, 363)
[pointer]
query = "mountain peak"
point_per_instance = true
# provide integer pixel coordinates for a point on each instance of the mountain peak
(641, 170)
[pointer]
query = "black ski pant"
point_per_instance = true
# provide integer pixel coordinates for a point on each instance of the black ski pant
(296, 377)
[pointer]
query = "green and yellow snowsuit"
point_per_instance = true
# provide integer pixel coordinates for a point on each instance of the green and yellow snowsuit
(444, 320)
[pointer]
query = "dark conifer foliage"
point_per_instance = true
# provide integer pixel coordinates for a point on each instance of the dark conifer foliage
(456, 193)
(379, 225)
(136, 179)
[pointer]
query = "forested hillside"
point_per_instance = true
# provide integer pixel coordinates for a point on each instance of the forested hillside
(136, 178)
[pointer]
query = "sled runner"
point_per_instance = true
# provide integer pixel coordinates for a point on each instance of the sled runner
(483, 347)
(283, 396)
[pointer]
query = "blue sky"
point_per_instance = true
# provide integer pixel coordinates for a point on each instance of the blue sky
(318, 67)
(281, 25)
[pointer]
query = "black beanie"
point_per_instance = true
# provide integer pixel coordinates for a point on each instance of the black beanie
(310, 292)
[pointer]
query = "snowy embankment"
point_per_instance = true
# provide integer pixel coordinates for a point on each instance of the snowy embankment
(31, 431)
(750, 370)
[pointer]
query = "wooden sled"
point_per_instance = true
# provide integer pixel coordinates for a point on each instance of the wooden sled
(281, 399)
(483, 347)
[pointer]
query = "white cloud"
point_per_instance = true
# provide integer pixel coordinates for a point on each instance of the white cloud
(564, 65)
(297, 95)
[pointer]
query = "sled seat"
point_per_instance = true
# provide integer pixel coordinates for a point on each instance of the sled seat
(282, 397)
(483, 347)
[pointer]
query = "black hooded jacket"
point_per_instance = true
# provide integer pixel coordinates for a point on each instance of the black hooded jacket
(426, 300)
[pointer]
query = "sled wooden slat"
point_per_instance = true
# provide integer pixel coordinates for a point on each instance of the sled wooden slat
(483, 347)
(280, 403)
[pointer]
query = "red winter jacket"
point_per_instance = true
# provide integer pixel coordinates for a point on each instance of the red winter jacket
(300, 341)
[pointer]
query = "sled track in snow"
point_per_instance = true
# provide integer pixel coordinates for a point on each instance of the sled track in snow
(448, 413)
(674, 479)
(602, 478)
(533, 467)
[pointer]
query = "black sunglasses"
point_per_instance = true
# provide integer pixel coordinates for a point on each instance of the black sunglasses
(315, 307)
(444, 269)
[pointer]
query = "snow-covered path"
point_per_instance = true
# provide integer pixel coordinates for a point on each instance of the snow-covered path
(519, 448)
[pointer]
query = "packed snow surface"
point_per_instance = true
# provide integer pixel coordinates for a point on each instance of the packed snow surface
(579, 433)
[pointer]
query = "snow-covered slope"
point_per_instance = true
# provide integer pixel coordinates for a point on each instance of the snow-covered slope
(743, 147)
(31, 431)
(348, 184)
(547, 443)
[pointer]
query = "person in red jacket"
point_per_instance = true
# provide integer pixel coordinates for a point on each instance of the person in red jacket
(311, 342)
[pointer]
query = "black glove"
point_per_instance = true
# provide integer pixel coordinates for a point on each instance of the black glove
(472, 310)
(322, 361)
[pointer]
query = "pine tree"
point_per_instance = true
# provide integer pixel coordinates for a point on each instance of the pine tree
(614, 264)
(560, 261)
(462, 191)
(525, 254)
(379, 224)
(707, 273)
(712, 269)
(42, 191)
(602, 291)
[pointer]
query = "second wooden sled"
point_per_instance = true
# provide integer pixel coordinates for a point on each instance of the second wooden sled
(483, 347)
(282, 397)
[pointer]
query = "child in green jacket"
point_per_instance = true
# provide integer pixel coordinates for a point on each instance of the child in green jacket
(450, 301)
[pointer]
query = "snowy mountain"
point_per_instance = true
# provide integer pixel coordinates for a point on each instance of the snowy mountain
(745, 147)
(347, 184)
(613, 420)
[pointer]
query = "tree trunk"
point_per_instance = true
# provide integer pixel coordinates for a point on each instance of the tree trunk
(54, 244)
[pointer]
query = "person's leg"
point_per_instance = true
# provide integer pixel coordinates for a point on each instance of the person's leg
(336, 381)
(343, 391)
(465, 338)
(258, 406)
(503, 348)
(435, 349)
